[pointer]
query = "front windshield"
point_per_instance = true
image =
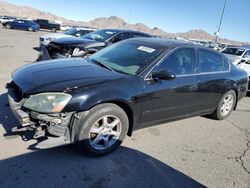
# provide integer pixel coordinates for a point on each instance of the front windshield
(100, 35)
(127, 57)
(233, 51)
(71, 31)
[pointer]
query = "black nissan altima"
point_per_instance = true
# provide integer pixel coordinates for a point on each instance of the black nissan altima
(96, 102)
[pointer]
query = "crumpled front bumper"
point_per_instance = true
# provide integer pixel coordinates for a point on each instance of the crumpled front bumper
(55, 124)
(22, 117)
(44, 54)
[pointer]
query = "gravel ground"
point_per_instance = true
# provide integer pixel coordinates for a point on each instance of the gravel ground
(195, 152)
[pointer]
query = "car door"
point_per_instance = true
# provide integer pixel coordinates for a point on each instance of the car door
(25, 25)
(212, 79)
(43, 24)
(20, 24)
(14, 24)
(170, 99)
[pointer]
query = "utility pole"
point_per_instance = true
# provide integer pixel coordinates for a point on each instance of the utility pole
(221, 18)
(129, 16)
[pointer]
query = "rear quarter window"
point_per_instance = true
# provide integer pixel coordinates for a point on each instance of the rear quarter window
(210, 61)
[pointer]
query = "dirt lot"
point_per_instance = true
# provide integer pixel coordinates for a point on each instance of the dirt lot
(195, 152)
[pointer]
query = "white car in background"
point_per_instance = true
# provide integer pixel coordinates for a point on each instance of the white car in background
(237, 54)
(245, 65)
(73, 32)
(65, 27)
(4, 19)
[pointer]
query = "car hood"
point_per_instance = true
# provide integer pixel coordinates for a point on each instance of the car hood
(74, 41)
(61, 75)
(55, 35)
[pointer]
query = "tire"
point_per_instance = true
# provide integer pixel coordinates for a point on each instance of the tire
(53, 29)
(225, 106)
(8, 26)
(93, 131)
(30, 29)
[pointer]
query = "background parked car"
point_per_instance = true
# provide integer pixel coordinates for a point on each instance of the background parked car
(64, 27)
(45, 24)
(4, 19)
(236, 54)
(77, 32)
(22, 25)
(245, 65)
(87, 44)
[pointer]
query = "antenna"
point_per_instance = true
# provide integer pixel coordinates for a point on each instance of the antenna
(221, 18)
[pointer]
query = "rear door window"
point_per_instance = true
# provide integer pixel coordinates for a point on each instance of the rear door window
(136, 35)
(211, 62)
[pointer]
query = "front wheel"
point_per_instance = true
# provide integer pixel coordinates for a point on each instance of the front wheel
(30, 29)
(103, 130)
(225, 106)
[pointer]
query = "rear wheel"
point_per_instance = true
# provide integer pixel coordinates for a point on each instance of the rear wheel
(53, 29)
(103, 130)
(8, 26)
(225, 106)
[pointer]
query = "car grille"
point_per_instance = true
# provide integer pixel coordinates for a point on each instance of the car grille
(62, 50)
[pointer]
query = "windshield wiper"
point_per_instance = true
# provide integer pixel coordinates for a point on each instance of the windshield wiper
(101, 64)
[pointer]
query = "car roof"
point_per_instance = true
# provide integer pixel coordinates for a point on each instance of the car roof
(240, 47)
(124, 30)
(84, 28)
(165, 43)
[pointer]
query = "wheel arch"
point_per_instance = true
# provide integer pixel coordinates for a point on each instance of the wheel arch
(127, 109)
(236, 102)
(76, 123)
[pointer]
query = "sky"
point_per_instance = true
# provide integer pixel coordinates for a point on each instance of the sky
(169, 15)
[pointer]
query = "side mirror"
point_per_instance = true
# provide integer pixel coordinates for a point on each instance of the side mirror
(243, 61)
(163, 75)
(78, 35)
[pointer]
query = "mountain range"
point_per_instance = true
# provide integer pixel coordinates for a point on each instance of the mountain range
(104, 22)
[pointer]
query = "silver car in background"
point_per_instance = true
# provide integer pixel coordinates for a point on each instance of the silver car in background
(237, 54)
(73, 32)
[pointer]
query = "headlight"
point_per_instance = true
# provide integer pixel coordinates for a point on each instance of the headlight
(50, 39)
(77, 52)
(47, 102)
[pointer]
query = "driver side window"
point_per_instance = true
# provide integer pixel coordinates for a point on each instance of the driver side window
(121, 37)
(180, 62)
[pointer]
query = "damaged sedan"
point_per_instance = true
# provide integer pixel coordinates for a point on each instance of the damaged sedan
(97, 101)
(87, 44)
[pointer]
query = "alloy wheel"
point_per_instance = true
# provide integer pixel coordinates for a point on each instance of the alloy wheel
(227, 105)
(105, 132)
